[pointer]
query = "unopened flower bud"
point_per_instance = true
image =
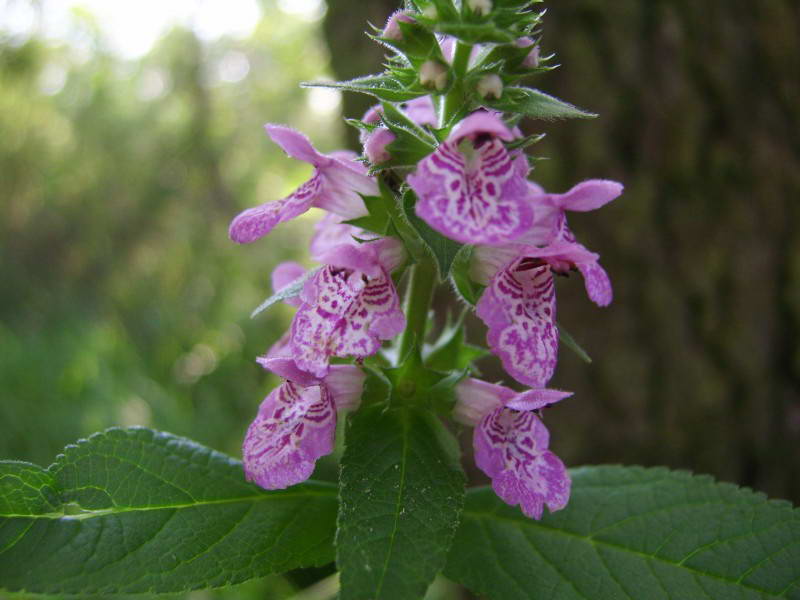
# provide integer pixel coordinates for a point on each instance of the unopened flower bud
(532, 59)
(430, 12)
(490, 86)
(372, 117)
(481, 7)
(375, 145)
(392, 29)
(433, 74)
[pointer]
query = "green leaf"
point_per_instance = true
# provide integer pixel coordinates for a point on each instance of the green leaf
(417, 43)
(26, 489)
(444, 9)
(452, 352)
(383, 86)
(630, 532)
(535, 104)
(443, 250)
(570, 343)
(380, 211)
(469, 291)
(401, 493)
(386, 218)
(412, 142)
(476, 33)
(289, 291)
(134, 510)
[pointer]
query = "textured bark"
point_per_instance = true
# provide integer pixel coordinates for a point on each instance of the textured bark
(697, 363)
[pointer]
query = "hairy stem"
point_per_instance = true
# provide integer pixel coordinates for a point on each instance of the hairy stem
(452, 102)
(417, 304)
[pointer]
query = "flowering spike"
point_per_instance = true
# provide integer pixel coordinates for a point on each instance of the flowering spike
(466, 176)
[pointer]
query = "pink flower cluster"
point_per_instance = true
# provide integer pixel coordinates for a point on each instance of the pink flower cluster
(473, 189)
(346, 308)
(478, 193)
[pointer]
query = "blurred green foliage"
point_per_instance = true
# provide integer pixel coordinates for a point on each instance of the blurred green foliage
(122, 301)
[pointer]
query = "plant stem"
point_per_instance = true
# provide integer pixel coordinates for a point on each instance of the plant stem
(451, 102)
(461, 58)
(417, 304)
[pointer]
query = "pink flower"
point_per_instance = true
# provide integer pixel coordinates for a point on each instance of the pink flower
(421, 111)
(511, 444)
(551, 225)
(478, 195)
(550, 217)
(296, 422)
(375, 144)
(285, 274)
(349, 306)
(335, 186)
(519, 304)
(330, 232)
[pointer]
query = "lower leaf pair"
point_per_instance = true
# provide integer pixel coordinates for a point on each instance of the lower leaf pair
(134, 510)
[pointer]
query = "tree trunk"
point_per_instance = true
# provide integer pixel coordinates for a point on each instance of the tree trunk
(697, 363)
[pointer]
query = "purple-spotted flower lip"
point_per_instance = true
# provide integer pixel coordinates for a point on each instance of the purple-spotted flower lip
(519, 310)
(511, 447)
(294, 427)
(337, 184)
(478, 196)
(349, 306)
(296, 422)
